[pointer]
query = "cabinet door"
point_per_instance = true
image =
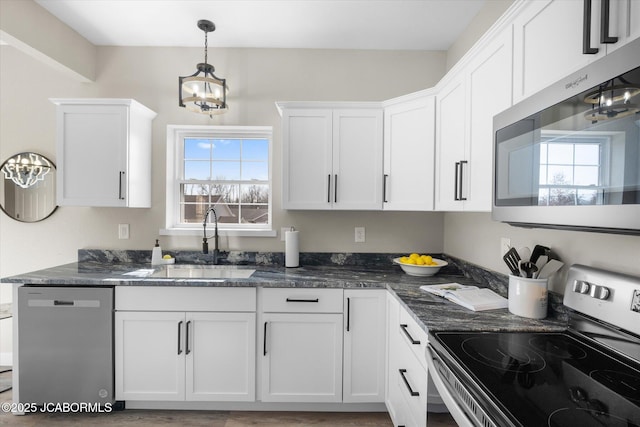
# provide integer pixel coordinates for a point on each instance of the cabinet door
(393, 400)
(357, 159)
(624, 22)
(364, 345)
(92, 155)
(307, 157)
(489, 85)
(409, 149)
(220, 356)
(301, 357)
(548, 43)
(149, 355)
(450, 144)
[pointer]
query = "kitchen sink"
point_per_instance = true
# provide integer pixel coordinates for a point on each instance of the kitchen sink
(204, 272)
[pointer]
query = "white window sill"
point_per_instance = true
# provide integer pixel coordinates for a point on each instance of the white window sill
(233, 233)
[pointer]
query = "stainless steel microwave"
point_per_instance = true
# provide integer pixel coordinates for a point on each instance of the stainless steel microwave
(569, 156)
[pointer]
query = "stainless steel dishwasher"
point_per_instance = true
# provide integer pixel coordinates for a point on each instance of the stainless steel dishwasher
(65, 345)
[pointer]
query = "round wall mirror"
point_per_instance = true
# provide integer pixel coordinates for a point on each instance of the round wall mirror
(28, 189)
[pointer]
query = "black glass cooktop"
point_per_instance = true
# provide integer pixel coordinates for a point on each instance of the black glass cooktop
(549, 379)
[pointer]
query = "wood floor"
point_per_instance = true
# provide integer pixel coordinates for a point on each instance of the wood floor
(148, 418)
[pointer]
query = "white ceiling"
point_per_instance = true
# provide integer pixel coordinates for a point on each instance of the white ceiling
(323, 24)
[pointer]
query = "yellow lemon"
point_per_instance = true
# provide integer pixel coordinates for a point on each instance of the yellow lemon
(166, 257)
(427, 259)
(410, 261)
(414, 256)
(420, 261)
(404, 259)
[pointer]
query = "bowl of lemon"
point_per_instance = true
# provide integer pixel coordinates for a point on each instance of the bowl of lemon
(420, 265)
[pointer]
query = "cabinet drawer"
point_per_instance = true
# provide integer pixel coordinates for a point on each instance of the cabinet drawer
(411, 379)
(308, 300)
(183, 298)
(413, 336)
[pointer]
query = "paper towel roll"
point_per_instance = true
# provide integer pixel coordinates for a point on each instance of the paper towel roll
(291, 249)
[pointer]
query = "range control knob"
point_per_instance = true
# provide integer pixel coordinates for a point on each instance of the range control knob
(581, 286)
(599, 292)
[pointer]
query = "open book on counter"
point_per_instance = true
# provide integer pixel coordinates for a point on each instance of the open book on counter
(471, 297)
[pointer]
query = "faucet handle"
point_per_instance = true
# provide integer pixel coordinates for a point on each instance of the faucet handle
(205, 246)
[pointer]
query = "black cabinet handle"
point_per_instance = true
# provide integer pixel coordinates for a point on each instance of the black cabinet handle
(384, 188)
(586, 30)
(455, 185)
(329, 188)
(302, 300)
(264, 340)
(61, 302)
(348, 313)
(187, 350)
(604, 23)
(462, 163)
(404, 329)
(413, 393)
(180, 337)
(120, 192)
(335, 188)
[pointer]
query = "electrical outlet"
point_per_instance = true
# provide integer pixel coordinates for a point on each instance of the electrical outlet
(123, 231)
(360, 235)
(505, 245)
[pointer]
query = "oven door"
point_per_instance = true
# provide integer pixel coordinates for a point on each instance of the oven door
(463, 400)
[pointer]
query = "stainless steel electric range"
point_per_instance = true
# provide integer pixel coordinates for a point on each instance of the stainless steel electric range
(588, 375)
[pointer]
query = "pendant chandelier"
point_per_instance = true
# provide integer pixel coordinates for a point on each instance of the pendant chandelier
(26, 169)
(203, 92)
(612, 100)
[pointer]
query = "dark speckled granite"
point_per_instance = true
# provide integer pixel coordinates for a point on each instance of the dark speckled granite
(348, 271)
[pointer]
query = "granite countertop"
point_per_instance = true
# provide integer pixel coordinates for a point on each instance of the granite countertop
(431, 312)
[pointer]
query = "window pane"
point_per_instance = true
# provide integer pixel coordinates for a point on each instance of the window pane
(560, 175)
(226, 171)
(228, 214)
(586, 175)
(197, 148)
(255, 149)
(225, 193)
(255, 171)
(587, 154)
(254, 214)
(543, 197)
(226, 149)
(198, 169)
(543, 175)
(561, 153)
(255, 193)
(562, 196)
(587, 197)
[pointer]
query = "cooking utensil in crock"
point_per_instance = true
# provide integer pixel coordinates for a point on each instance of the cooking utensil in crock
(511, 258)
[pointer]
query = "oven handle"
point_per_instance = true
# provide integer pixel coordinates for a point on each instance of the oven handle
(449, 400)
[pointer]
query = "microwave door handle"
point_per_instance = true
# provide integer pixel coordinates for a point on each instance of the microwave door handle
(462, 163)
(586, 30)
(455, 185)
(604, 23)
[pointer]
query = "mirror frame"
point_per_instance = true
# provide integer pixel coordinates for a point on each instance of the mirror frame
(2, 201)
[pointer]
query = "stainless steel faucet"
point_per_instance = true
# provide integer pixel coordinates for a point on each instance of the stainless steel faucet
(205, 244)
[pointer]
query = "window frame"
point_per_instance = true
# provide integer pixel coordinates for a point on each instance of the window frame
(176, 134)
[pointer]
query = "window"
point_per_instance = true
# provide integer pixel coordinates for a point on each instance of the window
(225, 167)
(571, 171)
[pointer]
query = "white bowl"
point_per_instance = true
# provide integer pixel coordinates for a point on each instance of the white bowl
(421, 270)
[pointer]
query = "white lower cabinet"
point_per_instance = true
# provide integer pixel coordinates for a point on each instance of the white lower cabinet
(407, 374)
(364, 345)
(182, 355)
(301, 339)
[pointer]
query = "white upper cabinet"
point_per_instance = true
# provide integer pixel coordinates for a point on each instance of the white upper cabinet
(103, 153)
(332, 157)
(552, 36)
(409, 149)
(466, 104)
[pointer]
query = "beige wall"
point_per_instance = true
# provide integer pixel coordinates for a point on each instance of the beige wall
(257, 78)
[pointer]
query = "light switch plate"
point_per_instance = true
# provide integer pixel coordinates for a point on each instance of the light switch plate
(360, 236)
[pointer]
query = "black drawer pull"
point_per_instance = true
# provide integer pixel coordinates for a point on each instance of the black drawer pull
(404, 329)
(60, 302)
(187, 351)
(302, 300)
(180, 337)
(604, 24)
(413, 393)
(264, 340)
(586, 30)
